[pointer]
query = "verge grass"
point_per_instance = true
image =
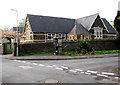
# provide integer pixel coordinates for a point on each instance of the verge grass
(70, 53)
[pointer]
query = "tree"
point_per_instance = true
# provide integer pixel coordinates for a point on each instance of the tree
(117, 22)
(22, 23)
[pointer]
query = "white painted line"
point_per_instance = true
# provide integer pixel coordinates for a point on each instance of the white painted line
(41, 65)
(87, 73)
(82, 72)
(78, 70)
(102, 75)
(34, 63)
(59, 68)
(23, 61)
(116, 77)
(18, 61)
(64, 67)
(108, 73)
(54, 65)
(73, 71)
(49, 66)
(25, 67)
(14, 60)
(92, 71)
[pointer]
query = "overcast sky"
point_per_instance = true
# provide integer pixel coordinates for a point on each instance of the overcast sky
(57, 8)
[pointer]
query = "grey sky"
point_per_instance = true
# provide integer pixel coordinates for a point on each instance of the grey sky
(58, 8)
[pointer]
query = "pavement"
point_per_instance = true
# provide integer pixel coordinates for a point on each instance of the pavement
(58, 57)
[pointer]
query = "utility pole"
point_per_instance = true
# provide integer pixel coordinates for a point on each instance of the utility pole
(17, 50)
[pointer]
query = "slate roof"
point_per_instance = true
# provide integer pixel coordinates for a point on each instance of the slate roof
(79, 29)
(50, 24)
(87, 21)
(109, 28)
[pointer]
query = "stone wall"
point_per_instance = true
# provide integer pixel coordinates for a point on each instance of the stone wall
(36, 47)
(105, 44)
(96, 44)
(4, 49)
(69, 46)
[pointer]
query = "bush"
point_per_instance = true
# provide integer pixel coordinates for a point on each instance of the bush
(84, 48)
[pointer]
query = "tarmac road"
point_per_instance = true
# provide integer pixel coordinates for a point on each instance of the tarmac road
(95, 70)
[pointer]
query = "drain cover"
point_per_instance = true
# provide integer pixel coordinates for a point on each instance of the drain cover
(51, 81)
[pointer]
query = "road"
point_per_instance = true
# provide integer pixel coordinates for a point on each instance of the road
(94, 70)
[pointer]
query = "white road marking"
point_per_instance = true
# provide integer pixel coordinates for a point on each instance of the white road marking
(108, 73)
(18, 61)
(116, 77)
(34, 63)
(64, 67)
(25, 67)
(92, 71)
(59, 68)
(102, 75)
(82, 72)
(49, 66)
(23, 61)
(14, 60)
(54, 65)
(41, 65)
(87, 73)
(78, 70)
(73, 71)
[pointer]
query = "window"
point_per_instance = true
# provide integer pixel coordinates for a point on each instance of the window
(28, 35)
(60, 35)
(50, 36)
(31, 38)
(98, 33)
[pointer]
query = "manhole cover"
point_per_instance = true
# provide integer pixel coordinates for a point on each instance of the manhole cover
(51, 81)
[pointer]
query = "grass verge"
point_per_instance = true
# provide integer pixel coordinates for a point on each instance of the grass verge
(71, 53)
(107, 52)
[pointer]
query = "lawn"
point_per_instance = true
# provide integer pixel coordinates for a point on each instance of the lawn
(107, 51)
(71, 53)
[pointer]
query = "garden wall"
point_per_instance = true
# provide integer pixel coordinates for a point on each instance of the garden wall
(69, 46)
(36, 47)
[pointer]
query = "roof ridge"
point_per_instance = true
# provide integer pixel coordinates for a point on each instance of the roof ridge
(49, 16)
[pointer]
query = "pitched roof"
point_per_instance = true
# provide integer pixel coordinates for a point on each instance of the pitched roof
(109, 28)
(78, 29)
(87, 21)
(50, 24)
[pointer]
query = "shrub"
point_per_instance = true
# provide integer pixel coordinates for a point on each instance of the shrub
(84, 47)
